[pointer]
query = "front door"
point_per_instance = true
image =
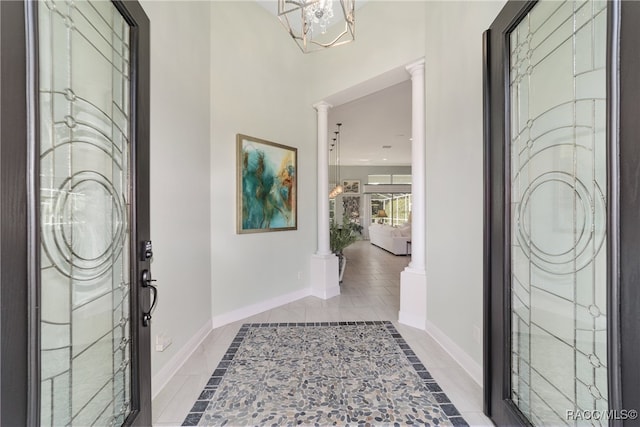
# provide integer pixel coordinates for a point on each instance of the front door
(559, 144)
(87, 211)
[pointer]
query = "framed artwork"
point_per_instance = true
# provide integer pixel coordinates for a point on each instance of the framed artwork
(267, 181)
(351, 186)
(351, 206)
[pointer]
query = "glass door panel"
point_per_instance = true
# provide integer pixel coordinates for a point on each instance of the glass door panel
(558, 211)
(380, 208)
(84, 112)
(401, 209)
(390, 208)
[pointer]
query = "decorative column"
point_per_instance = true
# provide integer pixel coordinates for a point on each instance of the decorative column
(324, 264)
(413, 280)
(323, 178)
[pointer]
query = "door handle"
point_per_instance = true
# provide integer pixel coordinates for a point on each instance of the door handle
(147, 281)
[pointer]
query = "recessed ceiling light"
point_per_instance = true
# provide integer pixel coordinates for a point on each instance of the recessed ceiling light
(384, 158)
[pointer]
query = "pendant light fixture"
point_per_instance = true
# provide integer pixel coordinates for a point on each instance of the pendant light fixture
(337, 189)
(315, 25)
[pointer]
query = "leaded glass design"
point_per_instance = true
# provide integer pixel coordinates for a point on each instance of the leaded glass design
(558, 211)
(84, 83)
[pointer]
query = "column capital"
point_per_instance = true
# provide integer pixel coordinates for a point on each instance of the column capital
(415, 67)
(322, 106)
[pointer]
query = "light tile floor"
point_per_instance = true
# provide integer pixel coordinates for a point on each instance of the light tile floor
(370, 291)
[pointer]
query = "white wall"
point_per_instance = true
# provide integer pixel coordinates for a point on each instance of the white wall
(454, 168)
(258, 88)
(180, 198)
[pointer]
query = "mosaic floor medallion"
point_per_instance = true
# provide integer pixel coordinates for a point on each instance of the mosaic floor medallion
(321, 374)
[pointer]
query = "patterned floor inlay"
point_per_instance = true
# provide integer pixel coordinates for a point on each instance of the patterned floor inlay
(320, 374)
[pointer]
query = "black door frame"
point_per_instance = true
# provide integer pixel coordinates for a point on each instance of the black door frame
(497, 330)
(627, 244)
(623, 211)
(19, 220)
(14, 291)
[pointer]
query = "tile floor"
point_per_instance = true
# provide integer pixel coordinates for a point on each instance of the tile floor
(370, 291)
(357, 372)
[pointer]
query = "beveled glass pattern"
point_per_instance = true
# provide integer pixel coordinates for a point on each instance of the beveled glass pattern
(85, 262)
(558, 211)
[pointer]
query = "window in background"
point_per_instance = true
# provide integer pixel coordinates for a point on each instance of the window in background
(401, 208)
(389, 208)
(389, 179)
(379, 179)
(401, 179)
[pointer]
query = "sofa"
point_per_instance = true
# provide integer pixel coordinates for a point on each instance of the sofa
(391, 239)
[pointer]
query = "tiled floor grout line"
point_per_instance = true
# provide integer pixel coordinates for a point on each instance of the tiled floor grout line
(200, 406)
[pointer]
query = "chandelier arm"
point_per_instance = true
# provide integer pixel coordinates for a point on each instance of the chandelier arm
(333, 42)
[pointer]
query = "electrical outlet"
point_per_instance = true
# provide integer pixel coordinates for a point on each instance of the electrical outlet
(477, 334)
(162, 342)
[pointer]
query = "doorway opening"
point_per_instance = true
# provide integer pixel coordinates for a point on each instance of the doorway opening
(401, 135)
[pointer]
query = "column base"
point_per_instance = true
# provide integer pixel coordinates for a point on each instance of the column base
(413, 298)
(324, 276)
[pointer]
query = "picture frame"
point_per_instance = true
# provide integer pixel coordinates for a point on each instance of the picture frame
(351, 186)
(351, 208)
(267, 186)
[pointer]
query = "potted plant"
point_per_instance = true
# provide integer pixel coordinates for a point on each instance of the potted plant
(341, 236)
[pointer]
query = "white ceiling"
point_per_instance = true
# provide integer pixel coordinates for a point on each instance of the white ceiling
(371, 122)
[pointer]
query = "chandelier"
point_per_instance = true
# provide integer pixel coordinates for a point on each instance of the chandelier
(314, 25)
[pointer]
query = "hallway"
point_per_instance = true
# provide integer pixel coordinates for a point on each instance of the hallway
(370, 291)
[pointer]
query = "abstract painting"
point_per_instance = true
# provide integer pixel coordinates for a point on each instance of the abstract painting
(267, 186)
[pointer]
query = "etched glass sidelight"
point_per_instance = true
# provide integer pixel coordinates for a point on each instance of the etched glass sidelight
(84, 203)
(558, 211)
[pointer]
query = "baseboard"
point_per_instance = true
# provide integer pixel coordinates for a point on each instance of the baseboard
(457, 353)
(328, 293)
(164, 375)
(391, 252)
(252, 310)
(411, 320)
